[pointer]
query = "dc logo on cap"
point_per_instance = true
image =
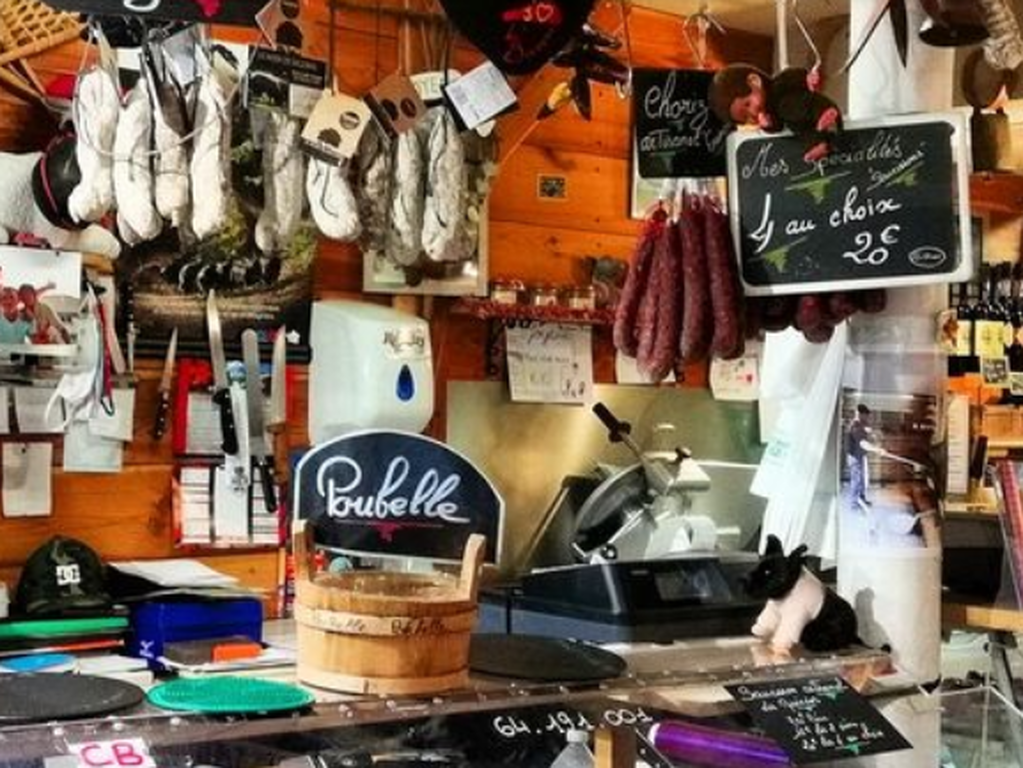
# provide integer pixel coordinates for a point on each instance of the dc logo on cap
(68, 575)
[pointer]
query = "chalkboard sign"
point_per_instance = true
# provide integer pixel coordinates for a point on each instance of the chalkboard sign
(383, 492)
(818, 719)
(231, 12)
(889, 206)
(677, 134)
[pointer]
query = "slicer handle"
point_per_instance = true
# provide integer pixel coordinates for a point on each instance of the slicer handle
(617, 430)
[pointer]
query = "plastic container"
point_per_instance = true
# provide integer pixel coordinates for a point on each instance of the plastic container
(156, 623)
(507, 291)
(579, 297)
(576, 753)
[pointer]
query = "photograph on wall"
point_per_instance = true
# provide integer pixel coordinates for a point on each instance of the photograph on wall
(164, 282)
(888, 495)
(40, 292)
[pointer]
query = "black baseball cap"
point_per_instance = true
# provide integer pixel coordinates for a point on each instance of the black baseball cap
(64, 577)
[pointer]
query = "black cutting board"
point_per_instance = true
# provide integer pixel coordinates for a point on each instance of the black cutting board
(45, 697)
(547, 659)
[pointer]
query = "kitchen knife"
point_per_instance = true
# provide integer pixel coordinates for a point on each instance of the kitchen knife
(221, 386)
(278, 423)
(257, 435)
(160, 425)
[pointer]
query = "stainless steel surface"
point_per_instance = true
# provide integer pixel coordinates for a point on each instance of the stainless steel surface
(168, 364)
(528, 449)
(254, 394)
(216, 339)
(278, 378)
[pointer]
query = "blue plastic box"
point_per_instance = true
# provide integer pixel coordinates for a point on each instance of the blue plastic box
(156, 623)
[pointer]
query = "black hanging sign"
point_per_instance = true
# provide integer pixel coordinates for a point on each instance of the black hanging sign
(818, 719)
(888, 207)
(383, 492)
(239, 13)
(676, 133)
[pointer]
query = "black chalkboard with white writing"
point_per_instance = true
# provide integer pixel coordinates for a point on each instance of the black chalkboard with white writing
(886, 207)
(676, 133)
(818, 719)
(383, 492)
(231, 12)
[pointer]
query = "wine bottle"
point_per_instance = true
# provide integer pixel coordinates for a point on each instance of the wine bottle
(987, 326)
(959, 362)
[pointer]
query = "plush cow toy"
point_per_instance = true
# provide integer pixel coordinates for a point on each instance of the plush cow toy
(800, 609)
(34, 200)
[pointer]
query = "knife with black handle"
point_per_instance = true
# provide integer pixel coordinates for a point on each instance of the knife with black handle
(221, 386)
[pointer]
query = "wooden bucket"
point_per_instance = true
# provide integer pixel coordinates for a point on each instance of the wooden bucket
(384, 633)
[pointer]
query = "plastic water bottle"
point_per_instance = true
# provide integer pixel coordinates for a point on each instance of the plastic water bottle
(576, 753)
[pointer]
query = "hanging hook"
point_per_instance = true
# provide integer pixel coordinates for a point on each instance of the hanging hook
(624, 90)
(817, 61)
(704, 21)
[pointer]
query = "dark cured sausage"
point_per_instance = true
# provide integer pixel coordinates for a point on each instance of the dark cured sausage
(626, 337)
(697, 312)
(649, 307)
(725, 292)
(665, 282)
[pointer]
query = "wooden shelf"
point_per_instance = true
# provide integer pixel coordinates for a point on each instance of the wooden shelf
(484, 309)
(997, 192)
(957, 615)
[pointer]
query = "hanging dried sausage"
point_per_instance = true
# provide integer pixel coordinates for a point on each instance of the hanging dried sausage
(697, 312)
(626, 338)
(728, 341)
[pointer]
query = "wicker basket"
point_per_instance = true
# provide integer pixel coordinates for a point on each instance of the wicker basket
(27, 28)
(385, 633)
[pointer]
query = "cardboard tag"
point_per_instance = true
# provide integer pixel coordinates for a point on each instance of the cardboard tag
(396, 105)
(284, 25)
(430, 85)
(284, 81)
(335, 127)
(481, 95)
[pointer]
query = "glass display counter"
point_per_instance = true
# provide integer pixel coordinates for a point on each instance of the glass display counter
(498, 723)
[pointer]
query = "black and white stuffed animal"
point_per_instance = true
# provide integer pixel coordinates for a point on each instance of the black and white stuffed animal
(34, 200)
(800, 609)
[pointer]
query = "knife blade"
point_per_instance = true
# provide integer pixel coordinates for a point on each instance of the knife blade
(257, 435)
(163, 406)
(278, 379)
(221, 386)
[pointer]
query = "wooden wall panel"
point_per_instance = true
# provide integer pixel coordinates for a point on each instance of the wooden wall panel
(128, 515)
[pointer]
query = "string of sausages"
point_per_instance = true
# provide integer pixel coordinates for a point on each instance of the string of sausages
(683, 303)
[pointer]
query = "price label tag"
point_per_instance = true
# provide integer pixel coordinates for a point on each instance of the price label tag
(481, 95)
(116, 753)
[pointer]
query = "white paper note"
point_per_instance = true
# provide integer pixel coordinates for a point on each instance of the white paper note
(550, 363)
(30, 406)
(480, 95)
(5, 409)
(230, 507)
(27, 479)
(87, 452)
(120, 424)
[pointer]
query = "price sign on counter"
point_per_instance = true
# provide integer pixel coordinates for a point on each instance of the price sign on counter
(888, 207)
(818, 719)
(115, 753)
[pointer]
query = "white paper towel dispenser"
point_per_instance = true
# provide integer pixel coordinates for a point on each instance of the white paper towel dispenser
(372, 367)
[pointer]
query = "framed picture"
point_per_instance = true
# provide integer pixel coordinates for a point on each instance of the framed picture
(40, 291)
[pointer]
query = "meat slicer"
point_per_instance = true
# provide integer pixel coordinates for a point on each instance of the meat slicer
(623, 556)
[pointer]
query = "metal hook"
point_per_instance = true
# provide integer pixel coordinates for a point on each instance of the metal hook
(624, 90)
(806, 36)
(704, 22)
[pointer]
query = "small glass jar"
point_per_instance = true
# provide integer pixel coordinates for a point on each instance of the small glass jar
(579, 297)
(543, 296)
(506, 291)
